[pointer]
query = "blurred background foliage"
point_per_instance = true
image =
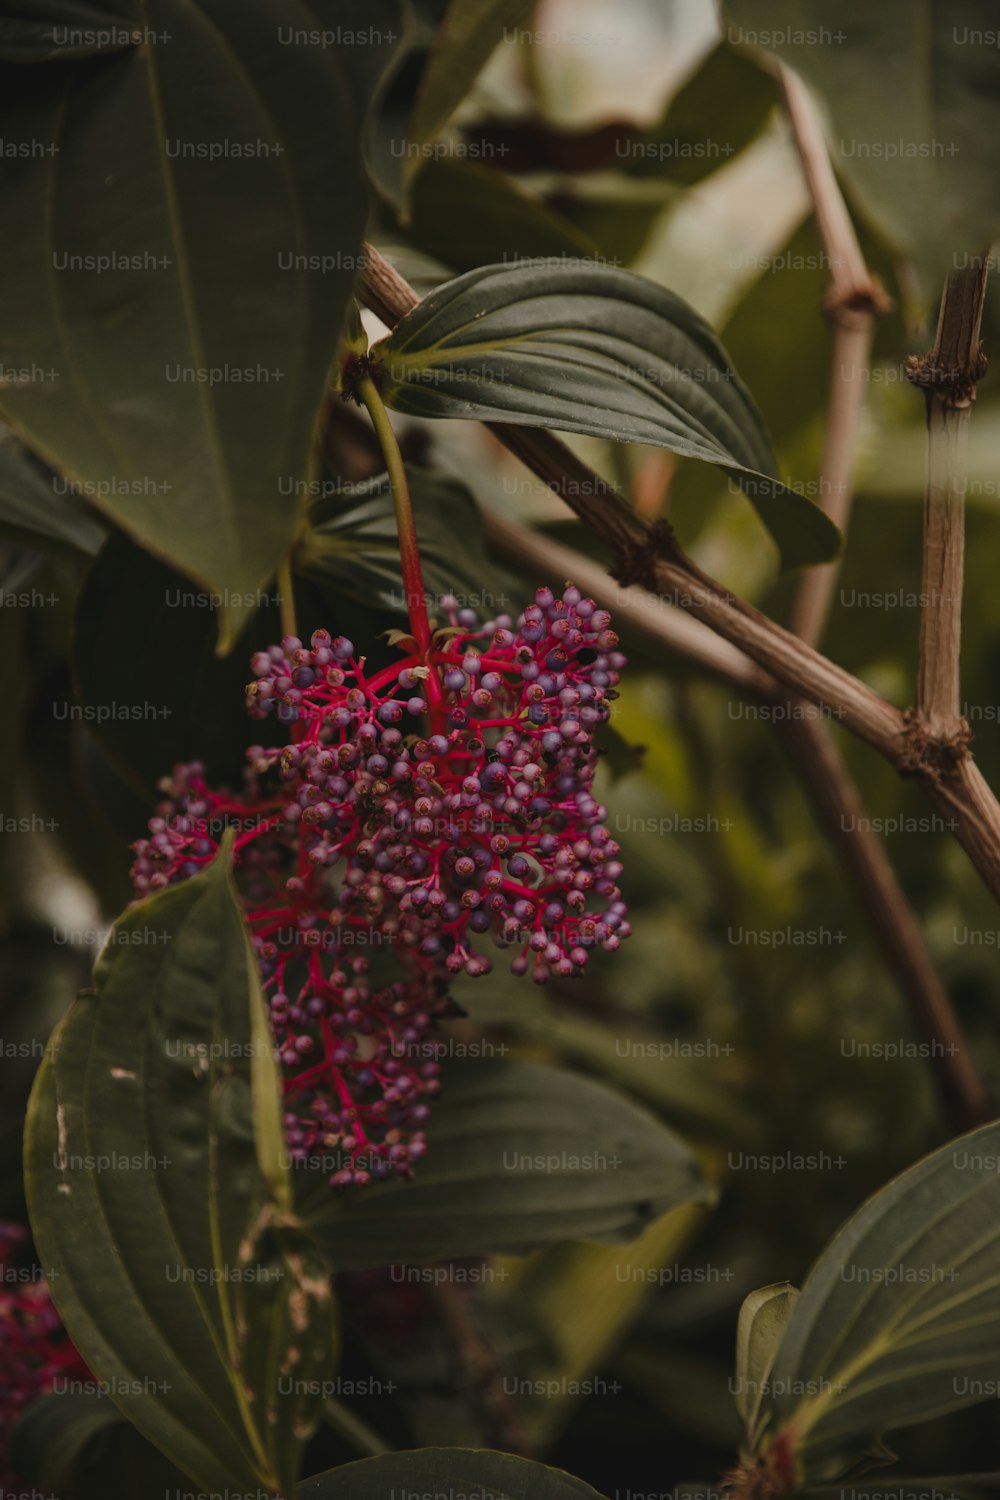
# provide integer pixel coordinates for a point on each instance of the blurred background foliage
(745, 1048)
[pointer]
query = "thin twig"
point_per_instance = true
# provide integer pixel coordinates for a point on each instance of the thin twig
(948, 375)
(853, 302)
(828, 784)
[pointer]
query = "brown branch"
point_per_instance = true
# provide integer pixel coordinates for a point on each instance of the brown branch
(831, 791)
(841, 813)
(948, 376)
(854, 301)
(640, 548)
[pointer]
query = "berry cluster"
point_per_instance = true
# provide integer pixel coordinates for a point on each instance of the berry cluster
(36, 1349)
(415, 812)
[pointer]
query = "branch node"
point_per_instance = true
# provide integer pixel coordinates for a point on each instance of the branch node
(932, 756)
(635, 562)
(954, 384)
(856, 301)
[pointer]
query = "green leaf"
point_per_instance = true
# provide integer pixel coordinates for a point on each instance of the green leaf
(763, 1318)
(209, 185)
(466, 38)
(913, 95)
(465, 214)
(519, 1156)
(720, 110)
(898, 1320)
(595, 350)
(446, 1471)
(33, 511)
(155, 1188)
(51, 1436)
(82, 1445)
(356, 550)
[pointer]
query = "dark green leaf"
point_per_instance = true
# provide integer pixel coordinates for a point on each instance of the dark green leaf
(80, 1445)
(898, 1321)
(356, 550)
(446, 1471)
(208, 185)
(595, 350)
(913, 93)
(718, 112)
(157, 1190)
(465, 214)
(53, 1433)
(519, 1156)
(39, 509)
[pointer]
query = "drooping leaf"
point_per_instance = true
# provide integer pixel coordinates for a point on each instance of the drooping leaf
(190, 330)
(158, 1191)
(354, 547)
(519, 1156)
(446, 1471)
(593, 349)
(898, 1320)
(912, 88)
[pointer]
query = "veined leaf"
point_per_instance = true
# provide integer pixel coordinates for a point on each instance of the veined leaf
(597, 350)
(519, 1156)
(158, 1190)
(181, 335)
(899, 1320)
(446, 1471)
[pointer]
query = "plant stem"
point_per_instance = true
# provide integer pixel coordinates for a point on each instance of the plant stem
(829, 787)
(286, 599)
(409, 550)
(948, 376)
(854, 301)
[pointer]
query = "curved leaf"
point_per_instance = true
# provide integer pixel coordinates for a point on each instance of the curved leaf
(446, 1471)
(597, 350)
(153, 1162)
(182, 337)
(899, 1320)
(519, 1156)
